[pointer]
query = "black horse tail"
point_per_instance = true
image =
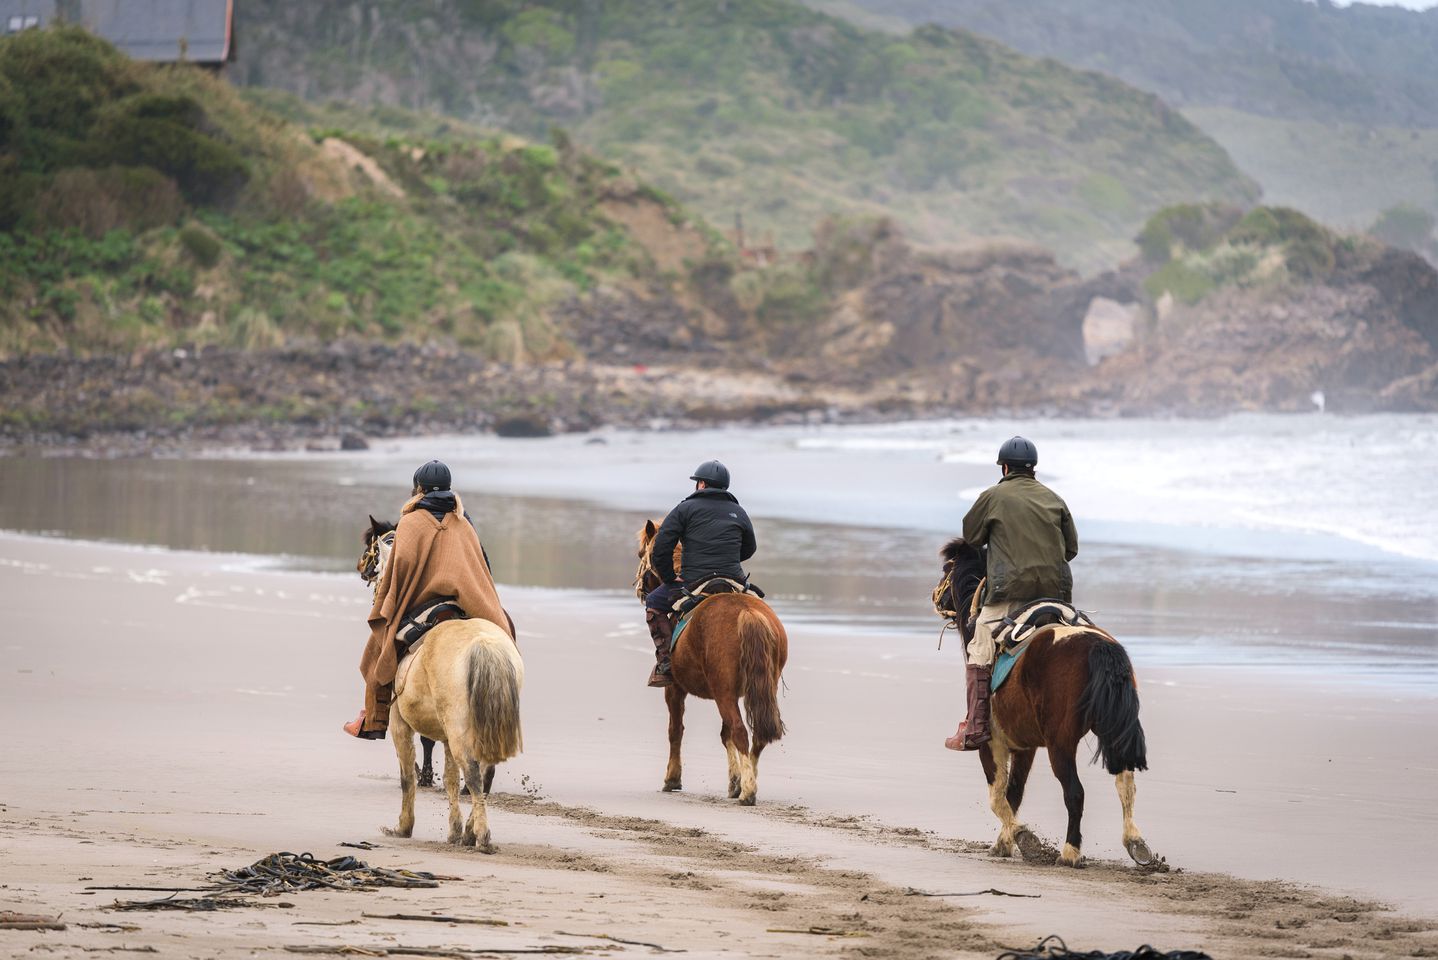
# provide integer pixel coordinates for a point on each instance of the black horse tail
(1110, 708)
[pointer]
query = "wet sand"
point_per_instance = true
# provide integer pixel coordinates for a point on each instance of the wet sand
(170, 714)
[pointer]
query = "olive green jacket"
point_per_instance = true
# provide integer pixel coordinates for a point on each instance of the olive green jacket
(1031, 538)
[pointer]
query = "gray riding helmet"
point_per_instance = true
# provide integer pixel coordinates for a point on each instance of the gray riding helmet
(432, 476)
(712, 472)
(1019, 452)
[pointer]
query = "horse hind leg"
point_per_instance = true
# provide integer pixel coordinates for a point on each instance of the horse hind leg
(999, 756)
(426, 768)
(733, 758)
(1066, 770)
(1023, 762)
(451, 792)
(674, 772)
(1133, 840)
(404, 750)
(476, 831)
(740, 762)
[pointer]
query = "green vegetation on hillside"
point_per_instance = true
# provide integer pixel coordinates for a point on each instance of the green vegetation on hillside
(1358, 62)
(144, 205)
(1198, 249)
(774, 111)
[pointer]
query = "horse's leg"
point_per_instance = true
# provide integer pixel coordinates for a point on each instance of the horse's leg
(998, 797)
(1133, 841)
(488, 778)
(1019, 777)
(739, 741)
(451, 791)
(476, 832)
(674, 773)
(404, 749)
(426, 769)
(1065, 767)
(731, 756)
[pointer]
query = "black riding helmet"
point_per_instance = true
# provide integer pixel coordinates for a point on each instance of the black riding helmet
(1019, 452)
(432, 476)
(713, 473)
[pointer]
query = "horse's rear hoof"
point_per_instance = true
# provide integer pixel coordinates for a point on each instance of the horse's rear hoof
(1033, 849)
(671, 785)
(748, 801)
(734, 789)
(1139, 850)
(396, 832)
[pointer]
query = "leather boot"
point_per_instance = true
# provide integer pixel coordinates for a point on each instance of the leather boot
(661, 631)
(974, 731)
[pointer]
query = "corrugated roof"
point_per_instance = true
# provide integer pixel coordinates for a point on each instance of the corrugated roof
(164, 30)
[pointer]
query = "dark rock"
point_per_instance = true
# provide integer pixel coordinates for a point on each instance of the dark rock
(524, 425)
(353, 441)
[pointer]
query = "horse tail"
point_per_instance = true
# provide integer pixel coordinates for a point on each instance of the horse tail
(757, 655)
(494, 680)
(1109, 707)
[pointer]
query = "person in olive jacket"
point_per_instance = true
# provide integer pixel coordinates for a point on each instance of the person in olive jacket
(1030, 539)
(717, 536)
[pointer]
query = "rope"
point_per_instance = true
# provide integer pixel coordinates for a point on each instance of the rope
(1053, 948)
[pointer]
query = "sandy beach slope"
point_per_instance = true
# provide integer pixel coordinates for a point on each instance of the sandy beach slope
(171, 714)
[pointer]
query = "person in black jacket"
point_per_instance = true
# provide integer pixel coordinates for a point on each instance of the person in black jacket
(717, 537)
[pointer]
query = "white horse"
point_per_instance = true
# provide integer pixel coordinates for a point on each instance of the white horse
(460, 687)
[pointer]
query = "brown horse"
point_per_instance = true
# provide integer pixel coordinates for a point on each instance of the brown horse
(734, 646)
(1069, 681)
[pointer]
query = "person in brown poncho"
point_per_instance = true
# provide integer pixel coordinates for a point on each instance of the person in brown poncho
(437, 555)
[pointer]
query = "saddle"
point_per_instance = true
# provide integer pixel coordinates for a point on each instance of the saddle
(419, 621)
(710, 586)
(1020, 626)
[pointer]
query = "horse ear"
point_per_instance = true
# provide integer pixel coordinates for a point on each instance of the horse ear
(650, 529)
(373, 523)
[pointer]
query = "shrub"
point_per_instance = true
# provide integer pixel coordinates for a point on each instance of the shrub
(200, 244)
(168, 133)
(1190, 226)
(1406, 225)
(95, 202)
(1187, 283)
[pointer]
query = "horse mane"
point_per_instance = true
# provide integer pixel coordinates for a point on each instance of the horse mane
(954, 549)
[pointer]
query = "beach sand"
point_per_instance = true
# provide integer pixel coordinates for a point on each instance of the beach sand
(171, 714)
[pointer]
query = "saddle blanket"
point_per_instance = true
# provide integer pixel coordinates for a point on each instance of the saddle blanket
(1025, 623)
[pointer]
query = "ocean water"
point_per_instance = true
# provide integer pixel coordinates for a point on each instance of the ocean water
(1303, 541)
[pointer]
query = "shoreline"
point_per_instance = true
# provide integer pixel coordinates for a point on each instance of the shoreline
(1286, 769)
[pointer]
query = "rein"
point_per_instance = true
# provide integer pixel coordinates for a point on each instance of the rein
(368, 565)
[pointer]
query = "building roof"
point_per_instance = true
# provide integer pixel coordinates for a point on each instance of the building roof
(199, 31)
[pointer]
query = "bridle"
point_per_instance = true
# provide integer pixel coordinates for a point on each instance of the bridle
(372, 562)
(646, 574)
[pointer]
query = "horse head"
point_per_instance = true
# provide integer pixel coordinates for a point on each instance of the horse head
(963, 571)
(646, 579)
(378, 539)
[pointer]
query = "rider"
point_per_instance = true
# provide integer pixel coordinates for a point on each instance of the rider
(436, 555)
(717, 536)
(1030, 537)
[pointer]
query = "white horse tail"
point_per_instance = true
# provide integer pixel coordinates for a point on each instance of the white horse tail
(494, 681)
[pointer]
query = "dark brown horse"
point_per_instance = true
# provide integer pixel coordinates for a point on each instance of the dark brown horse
(734, 646)
(1070, 681)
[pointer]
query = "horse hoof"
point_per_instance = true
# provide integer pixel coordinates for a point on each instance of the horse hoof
(468, 840)
(396, 832)
(748, 801)
(1001, 850)
(671, 785)
(1031, 848)
(485, 846)
(1078, 862)
(734, 789)
(1138, 849)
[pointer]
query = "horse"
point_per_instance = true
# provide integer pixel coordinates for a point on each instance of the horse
(461, 688)
(733, 646)
(1069, 681)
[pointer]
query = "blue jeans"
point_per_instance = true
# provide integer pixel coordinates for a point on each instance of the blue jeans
(663, 596)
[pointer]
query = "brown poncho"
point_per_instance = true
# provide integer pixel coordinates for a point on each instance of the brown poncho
(431, 559)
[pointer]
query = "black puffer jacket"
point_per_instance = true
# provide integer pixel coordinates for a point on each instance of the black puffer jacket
(716, 534)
